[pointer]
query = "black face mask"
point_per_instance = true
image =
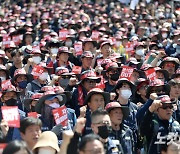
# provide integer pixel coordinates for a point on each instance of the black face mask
(11, 102)
(103, 131)
(48, 112)
(114, 77)
(32, 108)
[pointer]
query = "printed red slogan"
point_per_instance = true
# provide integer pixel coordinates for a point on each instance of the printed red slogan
(33, 114)
(60, 116)
(126, 72)
(63, 34)
(11, 115)
(151, 74)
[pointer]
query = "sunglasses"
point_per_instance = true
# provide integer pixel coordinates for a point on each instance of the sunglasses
(113, 71)
(66, 76)
(164, 107)
(169, 65)
(90, 81)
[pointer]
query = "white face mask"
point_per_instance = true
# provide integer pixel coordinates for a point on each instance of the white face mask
(46, 150)
(43, 76)
(140, 52)
(126, 93)
(153, 29)
(68, 44)
(36, 59)
(54, 105)
(54, 50)
(2, 78)
(164, 35)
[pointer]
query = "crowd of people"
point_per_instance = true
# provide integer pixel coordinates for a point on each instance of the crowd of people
(90, 77)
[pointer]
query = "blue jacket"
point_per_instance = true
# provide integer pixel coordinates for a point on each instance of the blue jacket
(141, 112)
(153, 128)
(58, 129)
(131, 121)
(111, 148)
(74, 100)
(125, 137)
(87, 128)
(34, 87)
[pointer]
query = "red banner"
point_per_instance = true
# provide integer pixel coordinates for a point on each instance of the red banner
(37, 71)
(17, 39)
(151, 74)
(60, 116)
(126, 72)
(95, 35)
(78, 48)
(99, 61)
(33, 114)
(6, 41)
(11, 115)
(101, 85)
(129, 47)
(63, 34)
(6, 84)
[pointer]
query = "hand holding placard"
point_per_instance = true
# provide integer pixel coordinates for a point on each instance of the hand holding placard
(11, 115)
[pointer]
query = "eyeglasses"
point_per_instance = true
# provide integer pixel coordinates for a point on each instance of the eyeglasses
(164, 107)
(169, 65)
(90, 81)
(102, 123)
(113, 71)
(66, 76)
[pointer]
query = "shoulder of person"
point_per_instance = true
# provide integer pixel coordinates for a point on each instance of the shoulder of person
(133, 105)
(70, 110)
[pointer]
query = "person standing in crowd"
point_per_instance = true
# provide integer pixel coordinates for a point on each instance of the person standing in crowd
(101, 125)
(112, 72)
(158, 123)
(87, 82)
(82, 45)
(47, 143)
(175, 94)
(49, 101)
(15, 147)
(96, 99)
(121, 134)
(91, 143)
(62, 59)
(30, 130)
(124, 90)
(17, 57)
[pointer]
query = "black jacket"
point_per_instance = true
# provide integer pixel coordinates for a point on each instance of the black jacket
(154, 129)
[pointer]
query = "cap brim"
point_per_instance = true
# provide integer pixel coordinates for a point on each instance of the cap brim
(106, 96)
(125, 111)
(133, 88)
(29, 78)
(40, 102)
(92, 78)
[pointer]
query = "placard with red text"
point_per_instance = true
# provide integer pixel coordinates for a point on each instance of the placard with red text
(11, 115)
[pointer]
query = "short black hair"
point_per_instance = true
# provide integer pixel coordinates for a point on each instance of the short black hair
(98, 112)
(16, 51)
(15, 146)
(29, 121)
(86, 139)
